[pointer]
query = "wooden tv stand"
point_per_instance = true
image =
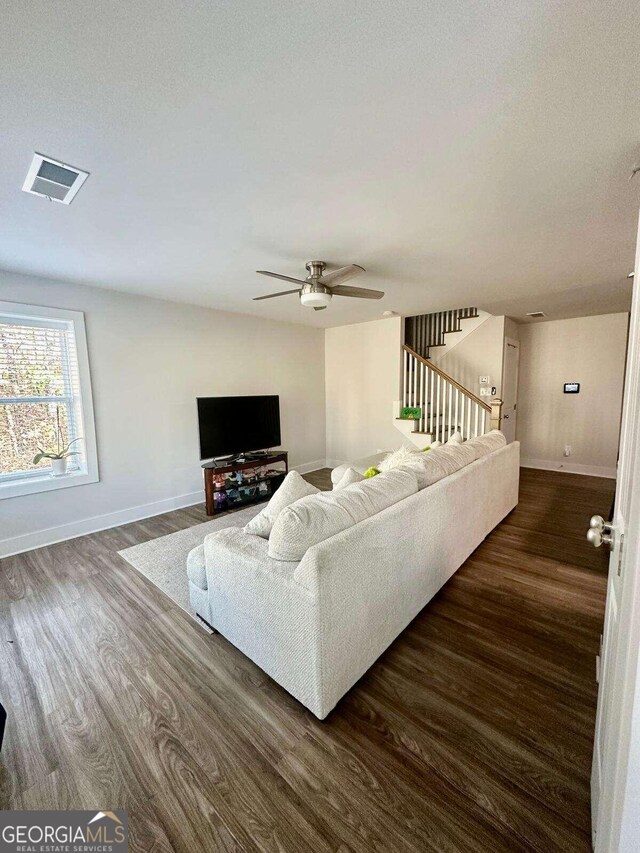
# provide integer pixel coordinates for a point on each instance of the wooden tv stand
(211, 470)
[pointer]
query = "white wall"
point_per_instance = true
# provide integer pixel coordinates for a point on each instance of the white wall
(452, 339)
(362, 376)
(588, 350)
(477, 354)
(149, 360)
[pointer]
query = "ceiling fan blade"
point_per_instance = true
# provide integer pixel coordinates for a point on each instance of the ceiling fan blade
(357, 292)
(273, 295)
(319, 307)
(283, 277)
(343, 274)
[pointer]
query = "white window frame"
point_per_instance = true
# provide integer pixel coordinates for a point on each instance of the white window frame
(40, 480)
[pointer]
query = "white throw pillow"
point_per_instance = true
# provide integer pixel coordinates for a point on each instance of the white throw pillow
(349, 477)
(456, 438)
(398, 457)
(292, 488)
(435, 444)
(316, 518)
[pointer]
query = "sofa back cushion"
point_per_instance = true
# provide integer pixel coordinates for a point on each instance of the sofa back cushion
(487, 443)
(440, 462)
(318, 517)
(461, 454)
(292, 488)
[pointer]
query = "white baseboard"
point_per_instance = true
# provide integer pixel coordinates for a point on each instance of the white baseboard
(52, 535)
(568, 467)
(333, 463)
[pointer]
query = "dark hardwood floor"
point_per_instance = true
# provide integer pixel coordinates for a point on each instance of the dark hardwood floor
(472, 732)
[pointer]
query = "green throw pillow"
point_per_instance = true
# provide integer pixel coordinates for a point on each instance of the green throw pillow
(371, 472)
(428, 447)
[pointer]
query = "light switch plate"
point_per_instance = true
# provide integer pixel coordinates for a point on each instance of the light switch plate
(485, 392)
(484, 380)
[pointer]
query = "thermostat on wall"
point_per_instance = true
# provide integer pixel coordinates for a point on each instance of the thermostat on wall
(571, 387)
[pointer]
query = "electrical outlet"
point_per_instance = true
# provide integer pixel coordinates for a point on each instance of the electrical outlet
(484, 380)
(567, 450)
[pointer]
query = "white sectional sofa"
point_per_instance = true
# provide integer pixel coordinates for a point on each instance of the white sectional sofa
(316, 620)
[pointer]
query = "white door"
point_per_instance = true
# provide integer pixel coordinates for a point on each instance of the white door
(510, 361)
(613, 778)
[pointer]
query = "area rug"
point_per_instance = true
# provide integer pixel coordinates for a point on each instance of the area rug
(164, 560)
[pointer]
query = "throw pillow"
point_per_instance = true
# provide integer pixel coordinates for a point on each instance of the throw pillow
(350, 476)
(371, 472)
(293, 488)
(398, 457)
(456, 438)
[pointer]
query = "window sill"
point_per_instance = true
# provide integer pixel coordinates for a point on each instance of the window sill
(46, 483)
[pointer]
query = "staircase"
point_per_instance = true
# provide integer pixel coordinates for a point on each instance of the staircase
(445, 405)
(426, 331)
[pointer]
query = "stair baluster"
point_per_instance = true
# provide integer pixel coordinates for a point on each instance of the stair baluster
(446, 406)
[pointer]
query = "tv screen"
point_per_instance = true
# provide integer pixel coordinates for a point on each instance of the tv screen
(235, 424)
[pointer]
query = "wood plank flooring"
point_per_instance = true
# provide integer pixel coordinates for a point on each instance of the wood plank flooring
(473, 732)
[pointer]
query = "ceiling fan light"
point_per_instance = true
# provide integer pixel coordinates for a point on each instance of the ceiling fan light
(315, 299)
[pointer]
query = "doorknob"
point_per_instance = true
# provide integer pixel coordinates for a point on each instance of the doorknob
(599, 532)
(506, 417)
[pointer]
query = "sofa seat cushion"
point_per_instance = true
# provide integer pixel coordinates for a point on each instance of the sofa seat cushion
(292, 488)
(318, 517)
(359, 465)
(196, 571)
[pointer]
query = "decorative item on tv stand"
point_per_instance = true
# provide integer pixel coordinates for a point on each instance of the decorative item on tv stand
(235, 482)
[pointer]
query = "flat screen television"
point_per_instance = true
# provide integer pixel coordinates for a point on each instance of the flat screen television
(232, 425)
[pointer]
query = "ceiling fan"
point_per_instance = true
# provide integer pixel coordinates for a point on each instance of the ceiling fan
(317, 289)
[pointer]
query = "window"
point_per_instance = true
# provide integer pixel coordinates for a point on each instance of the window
(45, 398)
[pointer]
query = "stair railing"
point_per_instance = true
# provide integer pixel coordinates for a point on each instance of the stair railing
(446, 406)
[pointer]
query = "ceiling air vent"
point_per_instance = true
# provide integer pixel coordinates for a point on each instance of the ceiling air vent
(53, 180)
(536, 314)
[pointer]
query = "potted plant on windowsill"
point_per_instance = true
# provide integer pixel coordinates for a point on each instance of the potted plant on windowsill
(60, 456)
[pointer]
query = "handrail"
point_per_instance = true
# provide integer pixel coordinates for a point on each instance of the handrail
(447, 378)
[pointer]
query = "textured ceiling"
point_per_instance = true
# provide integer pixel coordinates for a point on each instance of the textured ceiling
(464, 153)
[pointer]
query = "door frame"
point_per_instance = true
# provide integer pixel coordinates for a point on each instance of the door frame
(505, 348)
(621, 771)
